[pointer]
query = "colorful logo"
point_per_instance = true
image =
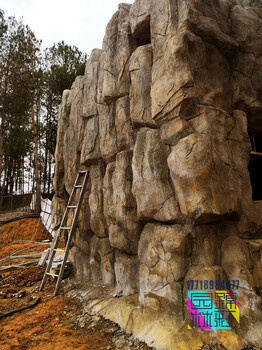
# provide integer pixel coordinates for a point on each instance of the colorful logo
(215, 310)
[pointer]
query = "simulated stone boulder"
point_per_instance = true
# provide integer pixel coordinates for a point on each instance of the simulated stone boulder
(165, 118)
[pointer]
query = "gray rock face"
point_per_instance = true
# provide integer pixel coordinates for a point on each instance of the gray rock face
(237, 266)
(73, 138)
(91, 84)
(161, 118)
(107, 132)
(197, 157)
(126, 270)
(151, 187)
(124, 229)
(63, 121)
(140, 73)
(163, 253)
(175, 130)
(97, 220)
(124, 130)
(117, 46)
(90, 152)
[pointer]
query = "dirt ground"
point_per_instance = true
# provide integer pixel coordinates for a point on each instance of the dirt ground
(55, 322)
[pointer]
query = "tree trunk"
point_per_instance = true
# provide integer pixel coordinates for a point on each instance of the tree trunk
(1, 162)
(11, 176)
(49, 172)
(46, 149)
(4, 185)
(36, 166)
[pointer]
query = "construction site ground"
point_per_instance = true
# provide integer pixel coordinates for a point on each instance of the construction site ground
(55, 322)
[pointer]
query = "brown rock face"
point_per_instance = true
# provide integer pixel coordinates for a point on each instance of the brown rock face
(161, 120)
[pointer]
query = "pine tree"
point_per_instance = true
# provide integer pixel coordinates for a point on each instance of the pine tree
(19, 77)
(63, 63)
(31, 86)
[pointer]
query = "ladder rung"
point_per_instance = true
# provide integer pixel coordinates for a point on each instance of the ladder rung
(60, 265)
(52, 274)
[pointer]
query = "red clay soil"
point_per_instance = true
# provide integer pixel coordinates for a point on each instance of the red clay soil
(17, 231)
(50, 324)
(24, 229)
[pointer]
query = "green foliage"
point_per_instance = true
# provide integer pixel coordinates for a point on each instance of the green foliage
(62, 64)
(3, 26)
(65, 62)
(19, 65)
(30, 78)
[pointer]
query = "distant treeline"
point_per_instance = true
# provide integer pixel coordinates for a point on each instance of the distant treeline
(31, 84)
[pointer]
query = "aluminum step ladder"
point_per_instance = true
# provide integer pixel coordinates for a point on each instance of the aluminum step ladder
(74, 204)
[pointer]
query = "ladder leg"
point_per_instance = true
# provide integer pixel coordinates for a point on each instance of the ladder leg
(61, 273)
(56, 242)
(47, 270)
(48, 267)
(62, 268)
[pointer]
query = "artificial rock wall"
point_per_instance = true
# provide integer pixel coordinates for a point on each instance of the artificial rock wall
(160, 119)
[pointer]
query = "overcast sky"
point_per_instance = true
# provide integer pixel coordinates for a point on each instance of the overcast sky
(78, 22)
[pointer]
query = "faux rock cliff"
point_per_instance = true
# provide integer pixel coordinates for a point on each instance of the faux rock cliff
(161, 120)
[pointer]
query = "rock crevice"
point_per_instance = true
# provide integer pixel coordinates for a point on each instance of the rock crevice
(161, 120)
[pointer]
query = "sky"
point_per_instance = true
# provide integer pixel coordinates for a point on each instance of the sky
(78, 22)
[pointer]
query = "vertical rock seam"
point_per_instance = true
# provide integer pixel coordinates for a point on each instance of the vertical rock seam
(161, 118)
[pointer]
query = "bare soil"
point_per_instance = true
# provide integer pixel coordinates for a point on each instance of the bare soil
(55, 322)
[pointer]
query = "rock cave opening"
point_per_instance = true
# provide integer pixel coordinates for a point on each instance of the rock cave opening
(255, 164)
(143, 34)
